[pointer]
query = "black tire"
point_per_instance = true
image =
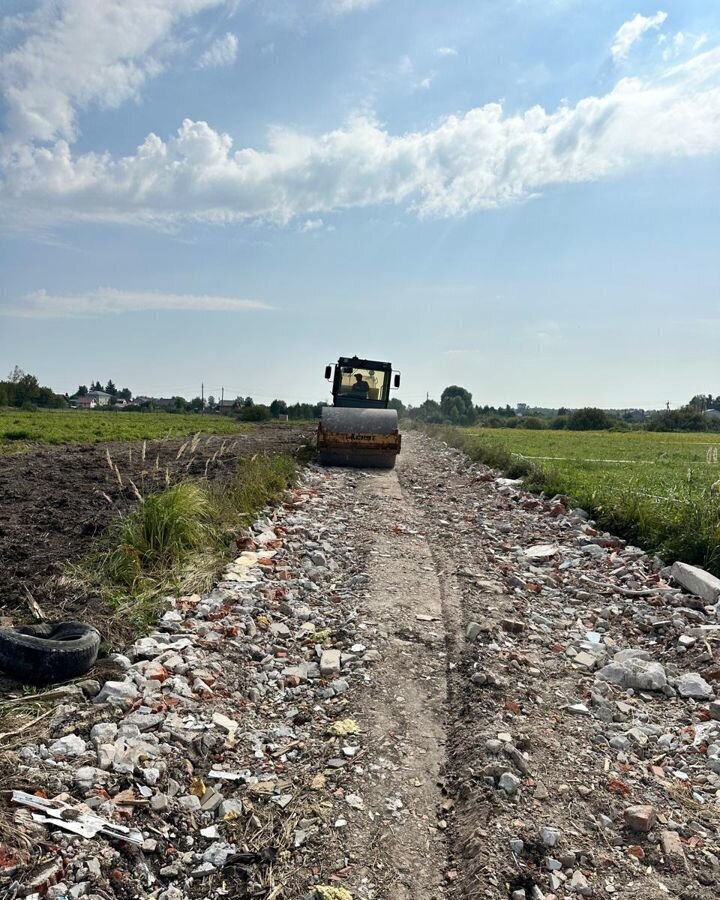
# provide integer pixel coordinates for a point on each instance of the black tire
(51, 652)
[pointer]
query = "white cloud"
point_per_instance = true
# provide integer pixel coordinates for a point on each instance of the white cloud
(631, 32)
(108, 301)
(85, 52)
(446, 51)
(482, 159)
(312, 225)
(222, 52)
(338, 7)
(681, 44)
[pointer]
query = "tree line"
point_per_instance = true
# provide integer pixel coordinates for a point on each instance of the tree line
(456, 407)
(24, 391)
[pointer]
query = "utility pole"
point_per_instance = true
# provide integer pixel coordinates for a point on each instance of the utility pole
(222, 397)
(202, 398)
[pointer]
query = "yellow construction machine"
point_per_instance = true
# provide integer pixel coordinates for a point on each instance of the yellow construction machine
(359, 429)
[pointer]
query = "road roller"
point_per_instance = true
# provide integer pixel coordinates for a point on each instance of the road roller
(359, 429)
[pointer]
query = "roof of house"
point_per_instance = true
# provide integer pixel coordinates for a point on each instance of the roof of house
(713, 413)
(97, 394)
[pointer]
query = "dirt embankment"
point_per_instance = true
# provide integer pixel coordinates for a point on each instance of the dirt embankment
(55, 500)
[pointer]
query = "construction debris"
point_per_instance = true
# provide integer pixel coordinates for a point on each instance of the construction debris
(231, 754)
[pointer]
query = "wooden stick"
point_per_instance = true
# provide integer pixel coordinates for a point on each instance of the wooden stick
(25, 727)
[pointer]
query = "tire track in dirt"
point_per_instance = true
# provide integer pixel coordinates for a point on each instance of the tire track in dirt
(399, 846)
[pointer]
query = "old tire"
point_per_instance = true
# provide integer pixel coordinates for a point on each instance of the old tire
(51, 652)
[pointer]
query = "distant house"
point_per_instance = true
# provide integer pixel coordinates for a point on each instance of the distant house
(225, 405)
(84, 402)
(713, 414)
(163, 402)
(100, 398)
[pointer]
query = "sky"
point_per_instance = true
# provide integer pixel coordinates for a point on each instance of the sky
(518, 196)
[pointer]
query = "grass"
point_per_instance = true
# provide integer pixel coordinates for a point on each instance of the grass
(655, 489)
(177, 540)
(74, 426)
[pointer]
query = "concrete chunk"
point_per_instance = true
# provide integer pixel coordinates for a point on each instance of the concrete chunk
(695, 686)
(118, 693)
(330, 662)
(541, 551)
(697, 581)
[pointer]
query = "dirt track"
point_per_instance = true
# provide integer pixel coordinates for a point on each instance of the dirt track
(55, 500)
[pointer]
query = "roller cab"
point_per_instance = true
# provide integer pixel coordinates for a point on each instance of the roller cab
(359, 429)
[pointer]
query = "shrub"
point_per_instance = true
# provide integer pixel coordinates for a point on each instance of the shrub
(531, 422)
(177, 540)
(589, 418)
(160, 533)
(255, 413)
(686, 419)
(17, 435)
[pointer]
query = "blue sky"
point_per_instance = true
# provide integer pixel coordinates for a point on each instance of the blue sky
(520, 196)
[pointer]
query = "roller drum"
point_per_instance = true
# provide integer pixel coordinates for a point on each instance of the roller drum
(351, 436)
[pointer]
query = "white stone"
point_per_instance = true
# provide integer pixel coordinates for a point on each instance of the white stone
(541, 551)
(693, 685)
(118, 693)
(66, 747)
(634, 672)
(330, 662)
(227, 724)
(697, 581)
(103, 733)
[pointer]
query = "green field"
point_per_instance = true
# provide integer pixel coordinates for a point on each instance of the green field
(654, 488)
(91, 426)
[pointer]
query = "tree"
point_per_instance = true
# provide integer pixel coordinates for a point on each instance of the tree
(26, 390)
(96, 386)
(255, 413)
(429, 411)
(397, 405)
(278, 408)
(196, 404)
(562, 411)
(300, 411)
(180, 403)
(248, 401)
(686, 419)
(110, 388)
(457, 406)
(589, 418)
(82, 390)
(211, 402)
(125, 394)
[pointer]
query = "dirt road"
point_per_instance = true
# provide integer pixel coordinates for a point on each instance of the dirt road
(430, 684)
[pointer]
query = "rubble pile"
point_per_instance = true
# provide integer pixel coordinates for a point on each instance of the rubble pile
(585, 728)
(258, 742)
(220, 747)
